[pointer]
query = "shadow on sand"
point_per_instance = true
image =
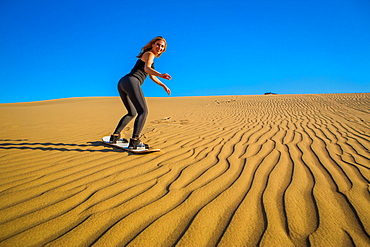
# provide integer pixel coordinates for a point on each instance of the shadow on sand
(49, 146)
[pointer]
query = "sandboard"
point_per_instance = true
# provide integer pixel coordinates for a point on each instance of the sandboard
(123, 144)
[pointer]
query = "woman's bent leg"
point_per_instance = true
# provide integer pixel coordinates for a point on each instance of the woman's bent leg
(137, 98)
(131, 112)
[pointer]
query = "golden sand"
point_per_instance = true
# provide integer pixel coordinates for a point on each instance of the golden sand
(284, 170)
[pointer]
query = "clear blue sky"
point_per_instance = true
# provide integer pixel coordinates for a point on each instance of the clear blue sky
(52, 49)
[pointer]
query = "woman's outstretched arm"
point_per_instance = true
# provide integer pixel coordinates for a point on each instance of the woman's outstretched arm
(156, 80)
(148, 58)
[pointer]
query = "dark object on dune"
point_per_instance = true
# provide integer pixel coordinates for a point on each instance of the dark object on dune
(269, 93)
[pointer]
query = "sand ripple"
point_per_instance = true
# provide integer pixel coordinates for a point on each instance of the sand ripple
(290, 170)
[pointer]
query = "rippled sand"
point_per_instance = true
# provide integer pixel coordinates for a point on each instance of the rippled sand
(285, 170)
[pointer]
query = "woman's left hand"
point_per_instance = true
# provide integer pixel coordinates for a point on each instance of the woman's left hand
(167, 89)
(156, 80)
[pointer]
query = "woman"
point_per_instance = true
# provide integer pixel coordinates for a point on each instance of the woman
(129, 88)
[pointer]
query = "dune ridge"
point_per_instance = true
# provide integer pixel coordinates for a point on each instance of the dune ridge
(280, 170)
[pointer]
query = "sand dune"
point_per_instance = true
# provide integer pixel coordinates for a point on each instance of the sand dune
(282, 170)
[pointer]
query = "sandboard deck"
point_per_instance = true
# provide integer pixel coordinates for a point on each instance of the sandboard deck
(124, 146)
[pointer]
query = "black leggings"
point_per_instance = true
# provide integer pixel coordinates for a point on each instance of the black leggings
(133, 98)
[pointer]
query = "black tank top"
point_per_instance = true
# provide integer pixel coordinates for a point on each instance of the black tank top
(138, 71)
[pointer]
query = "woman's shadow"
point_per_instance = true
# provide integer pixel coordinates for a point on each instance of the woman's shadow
(49, 146)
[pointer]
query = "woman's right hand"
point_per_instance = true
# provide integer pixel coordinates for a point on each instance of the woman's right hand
(166, 76)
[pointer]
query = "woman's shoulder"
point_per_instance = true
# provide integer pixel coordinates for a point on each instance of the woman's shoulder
(148, 54)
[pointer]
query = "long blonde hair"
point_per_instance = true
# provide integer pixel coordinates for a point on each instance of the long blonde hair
(148, 46)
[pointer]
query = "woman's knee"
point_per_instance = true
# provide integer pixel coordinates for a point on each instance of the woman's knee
(142, 112)
(131, 113)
